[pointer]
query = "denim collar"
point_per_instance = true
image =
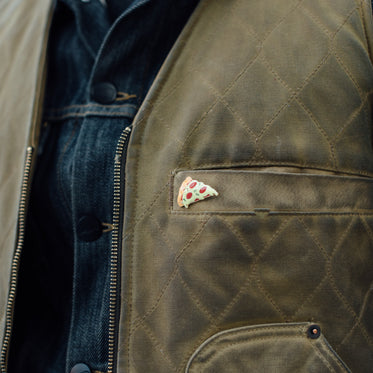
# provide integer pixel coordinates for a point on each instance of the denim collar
(95, 18)
(87, 47)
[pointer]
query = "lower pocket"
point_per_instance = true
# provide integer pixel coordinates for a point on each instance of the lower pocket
(278, 348)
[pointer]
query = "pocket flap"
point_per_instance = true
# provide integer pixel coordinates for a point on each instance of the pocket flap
(280, 348)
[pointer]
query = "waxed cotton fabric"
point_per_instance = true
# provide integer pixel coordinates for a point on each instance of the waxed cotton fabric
(23, 39)
(288, 88)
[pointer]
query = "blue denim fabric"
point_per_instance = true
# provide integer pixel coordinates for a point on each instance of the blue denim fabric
(62, 306)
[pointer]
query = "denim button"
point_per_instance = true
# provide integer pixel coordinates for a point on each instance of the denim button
(104, 92)
(89, 228)
(80, 368)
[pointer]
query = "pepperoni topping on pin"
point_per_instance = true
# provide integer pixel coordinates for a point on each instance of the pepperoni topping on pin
(203, 189)
(189, 195)
(192, 185)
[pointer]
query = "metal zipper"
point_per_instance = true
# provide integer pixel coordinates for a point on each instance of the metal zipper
(22, 212)
(119, 163)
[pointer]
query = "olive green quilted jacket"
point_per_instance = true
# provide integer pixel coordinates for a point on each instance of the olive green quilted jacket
(270, 103)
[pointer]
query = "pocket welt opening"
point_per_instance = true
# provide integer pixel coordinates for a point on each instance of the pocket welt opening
(263, 192)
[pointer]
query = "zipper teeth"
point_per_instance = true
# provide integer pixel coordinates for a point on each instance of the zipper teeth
(16, 258)
(115, 249)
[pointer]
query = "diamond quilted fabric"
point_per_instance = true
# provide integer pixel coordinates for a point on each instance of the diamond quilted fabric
(277, 90)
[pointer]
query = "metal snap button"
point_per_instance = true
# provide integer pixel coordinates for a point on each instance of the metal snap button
(314, 331)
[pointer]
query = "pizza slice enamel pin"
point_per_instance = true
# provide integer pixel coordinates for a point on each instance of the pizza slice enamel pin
(192, 191)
